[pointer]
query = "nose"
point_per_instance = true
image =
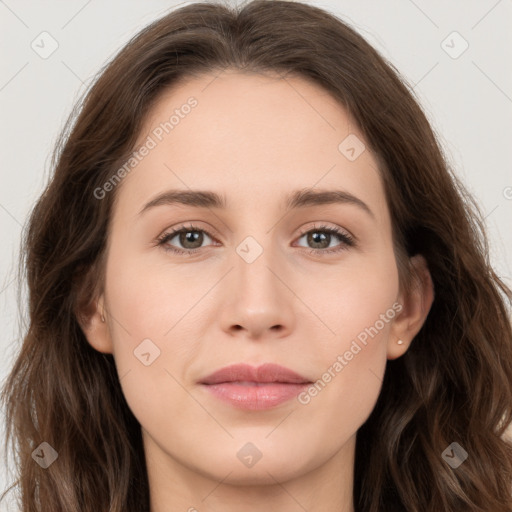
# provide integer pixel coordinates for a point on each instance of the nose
(258, 300)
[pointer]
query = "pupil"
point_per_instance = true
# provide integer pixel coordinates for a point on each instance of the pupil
(318, 238)
(193, 237)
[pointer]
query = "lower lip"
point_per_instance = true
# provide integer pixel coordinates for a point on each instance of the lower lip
(255, 396)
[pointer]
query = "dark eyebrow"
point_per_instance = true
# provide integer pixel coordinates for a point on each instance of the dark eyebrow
(196, 198)
(298, 199)
(310, 197)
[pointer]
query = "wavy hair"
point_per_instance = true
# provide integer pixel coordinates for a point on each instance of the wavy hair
(454, 384)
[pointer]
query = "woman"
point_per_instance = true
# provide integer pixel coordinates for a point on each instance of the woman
(254, 282)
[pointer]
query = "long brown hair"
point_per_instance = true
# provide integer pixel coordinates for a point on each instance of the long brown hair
(454, 384)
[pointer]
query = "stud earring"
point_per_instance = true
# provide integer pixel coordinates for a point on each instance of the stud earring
(400, 342)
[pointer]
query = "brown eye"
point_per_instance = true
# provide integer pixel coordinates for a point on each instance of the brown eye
(319, 239)
(190, 239)
(194, 238)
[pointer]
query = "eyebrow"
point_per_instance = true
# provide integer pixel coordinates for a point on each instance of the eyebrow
(298, 199)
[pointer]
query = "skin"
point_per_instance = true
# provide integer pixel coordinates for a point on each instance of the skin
(254, 139)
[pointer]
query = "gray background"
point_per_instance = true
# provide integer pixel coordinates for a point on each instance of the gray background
(468, 100)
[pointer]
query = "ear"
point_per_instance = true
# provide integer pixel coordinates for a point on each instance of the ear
(416, 305)
(93, 320)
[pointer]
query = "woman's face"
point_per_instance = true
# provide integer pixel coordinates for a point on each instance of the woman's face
(259, 279)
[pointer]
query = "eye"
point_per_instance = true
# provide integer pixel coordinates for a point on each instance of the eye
(322, 236)
(192, 237)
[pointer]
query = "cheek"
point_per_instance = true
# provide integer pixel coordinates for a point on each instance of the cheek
(350, 299)
(359, 306)
(352, 371)
(149, 299)
(145, 310)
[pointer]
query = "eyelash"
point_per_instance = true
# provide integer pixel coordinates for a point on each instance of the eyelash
(348, 241)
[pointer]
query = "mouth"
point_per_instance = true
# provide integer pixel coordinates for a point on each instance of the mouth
(250, 388)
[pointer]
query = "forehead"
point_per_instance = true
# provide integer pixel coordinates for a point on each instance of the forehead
(249, 137)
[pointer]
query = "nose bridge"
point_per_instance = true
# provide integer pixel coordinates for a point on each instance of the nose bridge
(255, 268)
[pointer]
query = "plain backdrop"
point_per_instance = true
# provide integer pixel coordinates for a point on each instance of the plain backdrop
(456, 56)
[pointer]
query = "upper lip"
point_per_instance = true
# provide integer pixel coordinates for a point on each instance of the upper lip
(267, 372)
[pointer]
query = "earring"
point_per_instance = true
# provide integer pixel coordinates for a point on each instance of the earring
(400, 342)
(102, 318)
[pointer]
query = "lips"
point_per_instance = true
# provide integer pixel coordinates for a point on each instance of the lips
(254, 389)
(245, 374)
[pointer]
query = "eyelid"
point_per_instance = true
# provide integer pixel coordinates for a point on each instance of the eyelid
(186, 226)
(324, 226)
(191, 225)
